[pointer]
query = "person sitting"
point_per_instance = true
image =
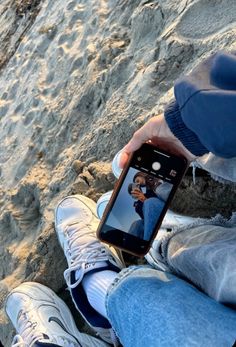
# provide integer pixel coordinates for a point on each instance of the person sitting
(141, 305)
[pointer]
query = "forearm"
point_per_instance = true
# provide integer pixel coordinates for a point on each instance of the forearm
(203, 115)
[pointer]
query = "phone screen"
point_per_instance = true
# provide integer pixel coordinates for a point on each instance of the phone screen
(141, 199)
(139, 205)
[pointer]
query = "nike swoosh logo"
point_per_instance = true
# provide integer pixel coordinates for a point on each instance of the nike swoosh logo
(60, 323)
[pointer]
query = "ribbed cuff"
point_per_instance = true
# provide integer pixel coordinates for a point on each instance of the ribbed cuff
(185, 135)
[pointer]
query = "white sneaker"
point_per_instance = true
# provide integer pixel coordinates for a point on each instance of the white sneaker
(76, 223)
(115, 165)
(103, 200)
(41, 319)
(102, 203)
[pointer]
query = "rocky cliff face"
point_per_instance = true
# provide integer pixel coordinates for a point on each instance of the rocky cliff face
(77, 78)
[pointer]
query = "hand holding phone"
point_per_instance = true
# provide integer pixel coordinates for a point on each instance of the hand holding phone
(141, 198)
(157, 131)
(138, 195)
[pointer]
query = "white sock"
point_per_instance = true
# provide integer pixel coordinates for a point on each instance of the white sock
(95, 286)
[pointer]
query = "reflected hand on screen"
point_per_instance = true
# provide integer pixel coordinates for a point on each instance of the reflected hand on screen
(137, 194)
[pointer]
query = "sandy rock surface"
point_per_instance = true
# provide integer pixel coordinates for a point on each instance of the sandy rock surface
(77, 78)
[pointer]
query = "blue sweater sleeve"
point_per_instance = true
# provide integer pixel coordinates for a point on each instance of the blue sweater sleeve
(203, 116)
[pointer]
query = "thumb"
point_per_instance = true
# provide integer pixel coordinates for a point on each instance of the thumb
(141, 136)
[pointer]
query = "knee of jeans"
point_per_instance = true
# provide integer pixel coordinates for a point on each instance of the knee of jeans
(150, 202)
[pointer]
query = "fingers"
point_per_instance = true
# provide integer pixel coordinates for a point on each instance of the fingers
(135, 195)
(136, 191)
(123, 158)
(140, 136)
(157, 132)
(138, 195)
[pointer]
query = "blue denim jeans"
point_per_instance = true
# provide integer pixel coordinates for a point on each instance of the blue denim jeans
(155, 308)
(221, 169)
(152, 209)
(151, 308)
(205, 254)
(143, 228)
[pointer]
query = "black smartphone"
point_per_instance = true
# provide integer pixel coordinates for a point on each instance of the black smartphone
(141, 198)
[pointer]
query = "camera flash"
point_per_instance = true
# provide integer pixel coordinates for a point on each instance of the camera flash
(156, 165)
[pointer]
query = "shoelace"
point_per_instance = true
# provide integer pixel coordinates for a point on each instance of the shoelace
(83, 252)
(18, 342)
(29, 334)
(27, 329)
